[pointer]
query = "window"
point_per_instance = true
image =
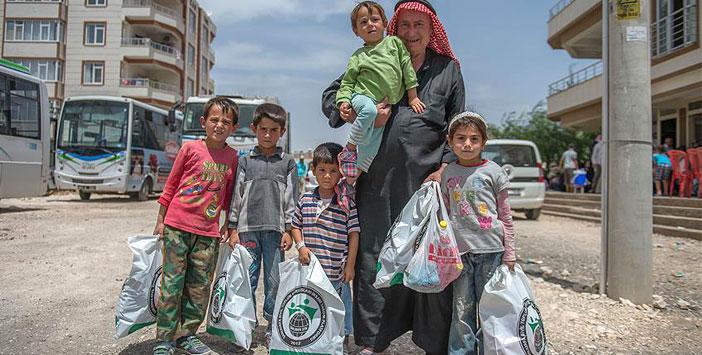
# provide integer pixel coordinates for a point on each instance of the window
(191, 56)
(93, 73)
(203, 69)
(94, 34)
(22, 97)
(192, 23)
(34, 31)
(96, 3)
(675, 26)
(190, 88)
(45, 69)
(204, 36)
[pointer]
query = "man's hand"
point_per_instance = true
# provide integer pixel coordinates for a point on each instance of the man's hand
(510, 264)
(436, 176)
(158, 230)
(346, 112)
(304, 255)
(383, 113)
(232, 239)
(285, 242)
(349, 273)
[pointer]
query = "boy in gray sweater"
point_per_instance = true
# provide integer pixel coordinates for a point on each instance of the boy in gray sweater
(263, 203)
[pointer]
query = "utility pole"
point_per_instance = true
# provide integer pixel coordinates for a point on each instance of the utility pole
(627, 200)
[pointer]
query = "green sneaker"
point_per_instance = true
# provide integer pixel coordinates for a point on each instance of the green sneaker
(164, 348)
(192, 345)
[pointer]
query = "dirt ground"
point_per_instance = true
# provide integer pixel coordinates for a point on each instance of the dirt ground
(63, 262)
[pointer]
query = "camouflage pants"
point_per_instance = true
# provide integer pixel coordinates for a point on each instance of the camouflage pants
(188, 267)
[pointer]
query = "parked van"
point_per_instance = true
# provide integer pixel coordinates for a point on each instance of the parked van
(522, 162)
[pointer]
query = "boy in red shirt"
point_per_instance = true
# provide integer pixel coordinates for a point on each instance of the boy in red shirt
(198, 188)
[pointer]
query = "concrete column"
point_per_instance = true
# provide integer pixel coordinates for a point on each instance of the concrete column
(629, 214)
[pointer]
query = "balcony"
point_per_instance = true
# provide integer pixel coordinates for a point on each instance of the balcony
(145, 11)
(147, 48)
(576, 26)
(149, 88)
(36, 9)
(29, 49)
(575, 100)
(674, 32)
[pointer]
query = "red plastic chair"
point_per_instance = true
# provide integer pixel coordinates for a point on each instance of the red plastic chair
(695, 157)
(681, 172)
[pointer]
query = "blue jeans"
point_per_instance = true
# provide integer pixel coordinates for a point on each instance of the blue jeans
(344, 291)
(467, 290)
(264, 245)
(363, 134)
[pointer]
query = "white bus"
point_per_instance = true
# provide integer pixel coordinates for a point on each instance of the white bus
(24, 133)
(107, 144)
(243, 140)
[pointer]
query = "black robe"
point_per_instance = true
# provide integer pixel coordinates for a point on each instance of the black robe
(413, 146)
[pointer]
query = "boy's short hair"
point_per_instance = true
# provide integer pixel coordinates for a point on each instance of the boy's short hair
(468, 119)
(274, 112)
(227, 106)
(326, 153)
(368, 5)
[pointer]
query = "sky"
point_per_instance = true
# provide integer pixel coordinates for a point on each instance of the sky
(294, 49)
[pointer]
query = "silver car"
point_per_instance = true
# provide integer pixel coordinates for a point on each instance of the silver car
(522, 163)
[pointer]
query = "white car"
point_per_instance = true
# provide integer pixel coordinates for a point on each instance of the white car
(522, 163)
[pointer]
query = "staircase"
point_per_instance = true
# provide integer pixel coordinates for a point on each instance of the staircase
(672, 216)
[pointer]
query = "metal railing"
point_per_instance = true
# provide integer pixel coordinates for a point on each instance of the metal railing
(558, 8)
(675, 31)
(147, 42)
(148, 83)
(148, 3)
(576, 78)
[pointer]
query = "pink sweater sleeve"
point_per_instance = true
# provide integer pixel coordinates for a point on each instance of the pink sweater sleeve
(174, 177)
(229, 189)
(504, 214)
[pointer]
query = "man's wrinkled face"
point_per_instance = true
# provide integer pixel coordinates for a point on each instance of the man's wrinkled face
(414, 29)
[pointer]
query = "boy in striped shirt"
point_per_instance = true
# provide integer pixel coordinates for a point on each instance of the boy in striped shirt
(326, 229)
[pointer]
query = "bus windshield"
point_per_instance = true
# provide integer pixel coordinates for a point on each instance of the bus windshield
(193, 112)
(93, 127)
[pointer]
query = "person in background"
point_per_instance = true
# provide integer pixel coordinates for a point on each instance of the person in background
(662, 166)
(569, 163)
(596, 159)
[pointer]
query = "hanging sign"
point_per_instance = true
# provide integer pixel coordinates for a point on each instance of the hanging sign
(628, 9)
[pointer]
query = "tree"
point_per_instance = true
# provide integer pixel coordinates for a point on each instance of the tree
(551, 138)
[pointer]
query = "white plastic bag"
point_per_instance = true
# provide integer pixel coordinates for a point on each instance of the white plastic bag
(437, 261)
(231, 314)
(400, 242)
(510, 320)
(138, 301)
(309, 314)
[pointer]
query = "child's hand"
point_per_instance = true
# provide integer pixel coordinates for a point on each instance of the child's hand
(349, 273)
(232, 239)
(346, 112)
(304, 255)
(510, 264)
(158, 230)
(285, 241)
(417, 105)
(223, 232)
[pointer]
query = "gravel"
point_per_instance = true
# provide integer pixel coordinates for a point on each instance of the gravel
(64, 261)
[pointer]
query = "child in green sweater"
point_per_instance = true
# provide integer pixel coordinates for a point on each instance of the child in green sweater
(381, 70)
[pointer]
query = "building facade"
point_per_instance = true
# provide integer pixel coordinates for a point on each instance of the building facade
(676, 68)
(157, 52)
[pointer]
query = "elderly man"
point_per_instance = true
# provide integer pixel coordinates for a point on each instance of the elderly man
(413, 150)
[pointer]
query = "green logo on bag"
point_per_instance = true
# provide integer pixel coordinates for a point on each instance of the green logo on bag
(532, 337)
(219, 296)
(302, 318)
(155, 291)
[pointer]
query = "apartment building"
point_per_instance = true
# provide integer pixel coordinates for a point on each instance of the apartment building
(676, 68)
(154, 51)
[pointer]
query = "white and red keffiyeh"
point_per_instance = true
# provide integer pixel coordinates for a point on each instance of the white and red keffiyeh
(438, 40)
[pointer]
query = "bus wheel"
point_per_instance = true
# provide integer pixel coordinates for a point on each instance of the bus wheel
(533, 214)
(84, 195)
(144, 192)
